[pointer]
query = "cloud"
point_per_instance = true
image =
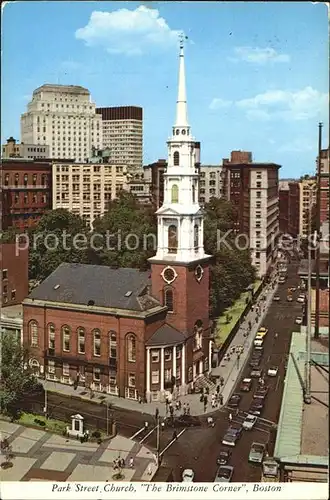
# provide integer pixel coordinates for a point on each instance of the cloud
(256, 55)
(129, 32)
(286, 105)
(298, 145)
(218, 103)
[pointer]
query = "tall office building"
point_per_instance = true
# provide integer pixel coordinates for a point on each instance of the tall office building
(308, 189)
(122, 129)
(62, 117)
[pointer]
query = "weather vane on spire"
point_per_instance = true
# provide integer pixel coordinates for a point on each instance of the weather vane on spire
(182, 39)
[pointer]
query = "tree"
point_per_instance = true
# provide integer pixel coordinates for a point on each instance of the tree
(7, 451)
(126, 233)
(60, 236)
(16, 379)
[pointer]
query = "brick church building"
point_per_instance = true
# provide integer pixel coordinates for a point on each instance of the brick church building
(122, 331)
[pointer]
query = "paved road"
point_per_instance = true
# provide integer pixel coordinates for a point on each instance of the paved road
(198, 448)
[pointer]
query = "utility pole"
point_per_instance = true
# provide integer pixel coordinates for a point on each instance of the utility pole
(318, 230)
(307, 395)
(158, 442)
(107, 405)
(46, 402)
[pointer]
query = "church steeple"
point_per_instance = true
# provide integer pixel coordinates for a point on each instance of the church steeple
(181, 103)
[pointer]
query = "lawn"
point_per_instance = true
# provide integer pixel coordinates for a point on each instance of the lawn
(52, 425)
(224, 328)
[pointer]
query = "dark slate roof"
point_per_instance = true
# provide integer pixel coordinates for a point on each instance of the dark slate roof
(81, 283)
(166, 335)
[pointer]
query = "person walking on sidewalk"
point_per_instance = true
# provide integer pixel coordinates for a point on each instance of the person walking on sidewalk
(221, 399)
(188, 409)
(205, 403)
(230, 417)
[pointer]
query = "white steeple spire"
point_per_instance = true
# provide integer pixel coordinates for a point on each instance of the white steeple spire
(181, 104)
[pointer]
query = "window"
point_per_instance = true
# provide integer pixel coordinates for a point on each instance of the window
(172, 239)
(258, 194)
(168, 299)
(257, 255)
(196, 237)
(5, 274)
(96, 374)
(155, 377)
(51, 367)
(168, 354)
(178, 352)
(198, 337)
(97, 342)
(112, 344)
(13, 295)
(66, 370)
(154, 356)
(66, 338)
(131, 348)
(258, 184)
(33, 327)
(178, 373)
(168, 375)
(193, 193)
(131, 379)
(175, 194)
(176, 159)
(51, 336)
(81, 340)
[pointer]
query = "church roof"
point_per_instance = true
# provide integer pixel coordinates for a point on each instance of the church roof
(166, 335)
(99, 286)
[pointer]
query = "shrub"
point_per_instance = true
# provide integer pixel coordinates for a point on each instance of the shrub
(96, 434)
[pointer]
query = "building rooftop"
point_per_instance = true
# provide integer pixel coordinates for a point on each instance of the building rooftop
(302, 434)
(12, 312)
(166, 335)
(52, 87)
(98, 286)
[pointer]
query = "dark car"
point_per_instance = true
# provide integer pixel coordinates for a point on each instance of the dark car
(262, 390)
(232, 436)
(256, 407)
(223, 457)
(183, 421)
(234, 401)
(257, 354)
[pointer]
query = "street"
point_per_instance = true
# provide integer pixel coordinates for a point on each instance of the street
(198, 448)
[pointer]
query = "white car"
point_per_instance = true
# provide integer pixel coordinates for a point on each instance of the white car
(301, 298)
(258, 342)
(249, 422)
(188, 475)
(299, 320)
(272, 371)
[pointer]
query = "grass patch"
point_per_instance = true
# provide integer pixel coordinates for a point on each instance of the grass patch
(234, 312)
(50, 424)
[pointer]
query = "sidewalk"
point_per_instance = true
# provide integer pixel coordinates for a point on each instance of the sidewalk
(229, 370)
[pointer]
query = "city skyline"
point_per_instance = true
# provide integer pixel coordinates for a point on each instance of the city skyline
(272, 111)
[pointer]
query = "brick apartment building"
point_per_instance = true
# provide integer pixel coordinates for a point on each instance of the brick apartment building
(14, 275)
(130, 333)
(324, 186)
(289, 200)
(253, 189)
(26, 192)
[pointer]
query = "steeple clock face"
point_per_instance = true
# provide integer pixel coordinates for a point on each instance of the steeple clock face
(199, 271)
(169, 274)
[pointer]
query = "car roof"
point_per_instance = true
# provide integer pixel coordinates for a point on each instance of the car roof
(188, 471)
(228, 467)
(246, 379)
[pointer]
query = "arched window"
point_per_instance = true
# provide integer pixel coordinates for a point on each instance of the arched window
(97, 342)
(81, 340)
(51, 336)
(131, 348)
(196, 236)
(198, 335)
(176, 158)
(193, 194)
(66, 334)
(175, 194)
(112, 344)
(35, 366)
(33, 332)
(172, 239)
(169, 299)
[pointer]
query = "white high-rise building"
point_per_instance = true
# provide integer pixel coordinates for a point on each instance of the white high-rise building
(62, 117)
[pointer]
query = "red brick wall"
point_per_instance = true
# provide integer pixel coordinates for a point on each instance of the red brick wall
(324, 199)
(17, 274)
(89, 321)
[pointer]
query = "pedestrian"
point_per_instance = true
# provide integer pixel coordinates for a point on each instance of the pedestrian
(185, 408)
(188, 409)
(207, 390)
(221, 399)
(140, 400)
(175, 436)
(177, 405)
(131, 462)
(115, 466)
(230, 416)
(201, 398)
(205, 406)
(222, 381)
(171, 411)
(157, 414)
(149, 470)
(218, 389)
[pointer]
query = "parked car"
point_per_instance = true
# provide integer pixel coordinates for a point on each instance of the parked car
(281, 280)
(257, 452)
(256, 372)
(261, 391)
(232, 436)
(234, 401)
(258, 348)
(257, 407)
(246, 385)
(298, 320)
(289, 298)
(301, 298)
(292, 289)
(262, 331)
(249, 422)
(223, 457)
(276, 298)
(254, 363)
(259, 396)
(188, 475)
(258, 342)
(272, 371)
(224, 474)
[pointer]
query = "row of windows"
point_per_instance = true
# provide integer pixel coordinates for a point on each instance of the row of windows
(26, 179)
(66, 335)
(26, 198)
